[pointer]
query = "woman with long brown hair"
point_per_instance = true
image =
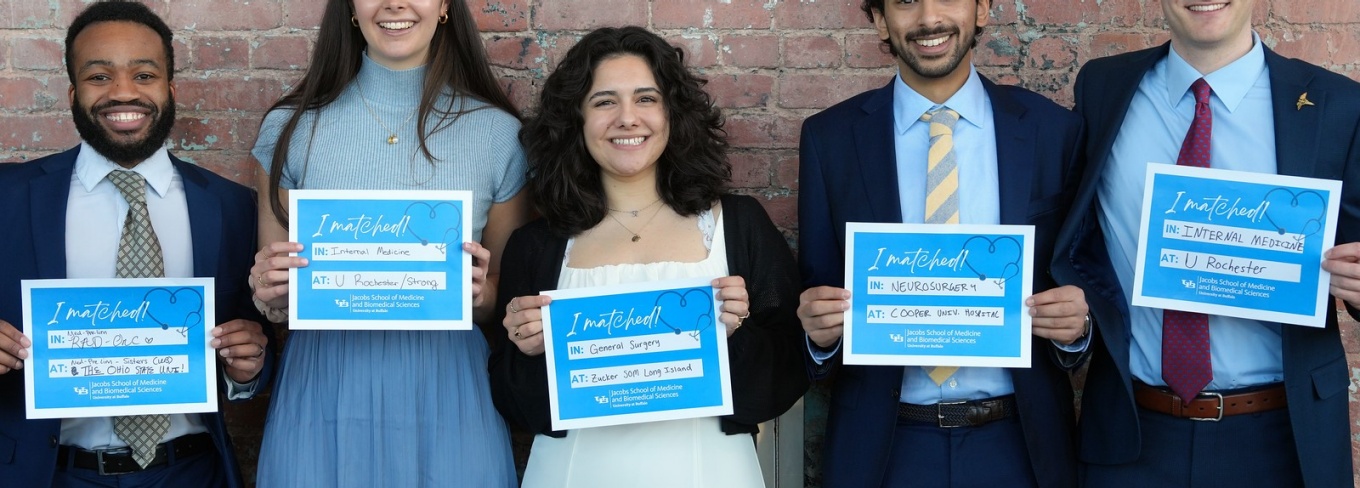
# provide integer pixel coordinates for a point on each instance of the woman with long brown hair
(398, 96)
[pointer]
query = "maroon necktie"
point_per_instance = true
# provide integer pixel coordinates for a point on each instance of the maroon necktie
(1185, 335)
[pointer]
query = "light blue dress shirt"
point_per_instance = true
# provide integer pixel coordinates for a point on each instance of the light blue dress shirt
(1244, 352)
(95, 211)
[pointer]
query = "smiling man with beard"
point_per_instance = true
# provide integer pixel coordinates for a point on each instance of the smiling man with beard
(933, 146)
(120, 206)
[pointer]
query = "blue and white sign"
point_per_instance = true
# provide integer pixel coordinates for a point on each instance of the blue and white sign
(938, 295)
(119, 347)
(378, 259)
(636, 353)
(1236, 243)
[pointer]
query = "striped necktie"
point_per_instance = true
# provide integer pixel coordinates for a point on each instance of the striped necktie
(942, 190)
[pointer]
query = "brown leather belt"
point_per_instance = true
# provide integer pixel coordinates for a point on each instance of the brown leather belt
(1209, 405)
(959, 414)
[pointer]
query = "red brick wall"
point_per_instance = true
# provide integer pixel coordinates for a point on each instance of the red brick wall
(770, 64)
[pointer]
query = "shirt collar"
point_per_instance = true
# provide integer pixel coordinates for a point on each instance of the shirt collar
(92, 167)
(908, 105)
(1229, 83)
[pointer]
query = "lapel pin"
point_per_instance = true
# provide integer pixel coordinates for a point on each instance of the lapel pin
(1303, 100)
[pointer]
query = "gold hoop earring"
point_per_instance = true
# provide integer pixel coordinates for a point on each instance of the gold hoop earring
(353, 21)
(444, 18)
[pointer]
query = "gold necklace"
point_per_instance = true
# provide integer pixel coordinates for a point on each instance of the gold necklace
(636, 235)
(392, 138)
(635, 212)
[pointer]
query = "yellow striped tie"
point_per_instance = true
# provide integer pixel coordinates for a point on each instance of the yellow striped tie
(942, 190)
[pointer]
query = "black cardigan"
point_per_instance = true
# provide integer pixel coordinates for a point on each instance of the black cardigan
(765, 353)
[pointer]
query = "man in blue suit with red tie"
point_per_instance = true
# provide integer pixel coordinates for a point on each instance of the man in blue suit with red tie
(1013, 159)
(1183, 399)
(119, 205)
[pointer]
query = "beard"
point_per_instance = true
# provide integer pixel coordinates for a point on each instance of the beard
(104, 142)
(951, 60)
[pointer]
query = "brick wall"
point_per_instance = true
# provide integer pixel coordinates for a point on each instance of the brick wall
(770, 64)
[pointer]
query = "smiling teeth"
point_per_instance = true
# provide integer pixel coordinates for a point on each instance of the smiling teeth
(932, 42)
(632, 141)
(1206, 8)
(396, 25)
(125, 116)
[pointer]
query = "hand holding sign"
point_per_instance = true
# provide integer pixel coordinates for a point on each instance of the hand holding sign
(1343, 262)
(1059, 314)
(241, 343)
(822, 311)
(269, 275)
(14, 347)
(524, 323)
(736, 302)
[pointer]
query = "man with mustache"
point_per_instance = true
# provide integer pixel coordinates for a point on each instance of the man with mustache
(1185, 399)
(866, 160)
(65, 217)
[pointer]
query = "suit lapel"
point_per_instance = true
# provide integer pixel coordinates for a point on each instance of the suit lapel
(1118, 92)
(1014, 157)
(48, 196)
(205, 218)
(874, 140)
(1296, 128)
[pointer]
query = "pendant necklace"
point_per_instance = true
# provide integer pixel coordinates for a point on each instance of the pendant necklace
(636, 234)
(392, 137)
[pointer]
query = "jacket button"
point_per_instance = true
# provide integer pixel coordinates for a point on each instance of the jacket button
(53, 441)
(896, 393)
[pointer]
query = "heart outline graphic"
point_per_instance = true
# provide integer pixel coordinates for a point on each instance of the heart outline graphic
(700, 324)
(192, 318)
(1295, 202)
(1013, 266)
(433, 214)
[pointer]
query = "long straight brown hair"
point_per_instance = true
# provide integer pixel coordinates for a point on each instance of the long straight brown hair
(457, 63)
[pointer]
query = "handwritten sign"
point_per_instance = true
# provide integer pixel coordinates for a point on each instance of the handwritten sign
(938, 295)
(636, 353)
(389, 260)
(119, 347)
(1236, 243)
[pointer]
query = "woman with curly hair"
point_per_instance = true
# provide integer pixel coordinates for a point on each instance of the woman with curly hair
(627, 162)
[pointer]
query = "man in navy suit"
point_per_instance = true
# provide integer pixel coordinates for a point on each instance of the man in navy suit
(64, 218)
(865, 160)
(1274, 395)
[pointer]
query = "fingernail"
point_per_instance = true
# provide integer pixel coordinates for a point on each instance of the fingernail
(215, 342)
(222, 352)
(845, 306)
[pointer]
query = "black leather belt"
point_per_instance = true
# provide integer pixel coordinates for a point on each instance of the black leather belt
(119, 461)
(959, 414)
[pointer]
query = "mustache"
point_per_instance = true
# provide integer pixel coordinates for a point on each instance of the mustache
(932, 32)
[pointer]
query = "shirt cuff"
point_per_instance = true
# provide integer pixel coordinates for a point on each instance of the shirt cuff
(240, 391)
(820, 355)
(1076, 346)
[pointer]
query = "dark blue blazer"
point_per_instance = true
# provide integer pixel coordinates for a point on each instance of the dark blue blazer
(848, 173)
(1319, 141)
(33, 212)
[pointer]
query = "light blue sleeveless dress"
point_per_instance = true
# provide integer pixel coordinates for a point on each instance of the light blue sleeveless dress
(403, 409)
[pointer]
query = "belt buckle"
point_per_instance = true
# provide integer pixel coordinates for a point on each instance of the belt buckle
(99, 461)
(1219, 396)
(939, 415)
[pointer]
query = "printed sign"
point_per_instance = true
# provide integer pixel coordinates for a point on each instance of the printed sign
(1236, 243)
(119, 347)
(938, 295)
(381, 260)
(636, 353)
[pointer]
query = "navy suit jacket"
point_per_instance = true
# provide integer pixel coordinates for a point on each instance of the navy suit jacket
(848, 173)
(1319, 141)
(33, 199)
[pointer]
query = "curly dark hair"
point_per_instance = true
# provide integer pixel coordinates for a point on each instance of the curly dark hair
(119, 11)
(869, 6)
(564, 180)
